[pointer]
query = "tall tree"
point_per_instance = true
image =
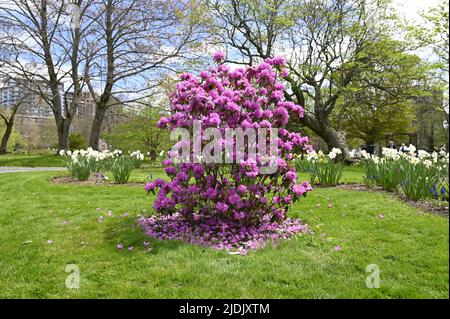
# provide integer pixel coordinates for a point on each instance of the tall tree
(139, 131)
(325, 44)
(379, 100)
(434, 35)
(40, 41)
(135, 41)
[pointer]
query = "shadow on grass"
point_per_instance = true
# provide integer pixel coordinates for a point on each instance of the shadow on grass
(126, 230)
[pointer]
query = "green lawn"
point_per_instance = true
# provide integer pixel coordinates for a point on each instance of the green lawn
(410, 247)
(48, 160)
(26, 160)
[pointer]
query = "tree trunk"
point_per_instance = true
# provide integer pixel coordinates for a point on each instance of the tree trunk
(96, 127)
(336, 139)
(63, 128)
(8, 129)
(332, 137)
(5, 138)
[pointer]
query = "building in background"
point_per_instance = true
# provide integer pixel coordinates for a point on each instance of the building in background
(34, 118)
(429, 121)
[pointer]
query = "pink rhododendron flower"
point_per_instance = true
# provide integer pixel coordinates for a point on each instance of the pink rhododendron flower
(218, 56)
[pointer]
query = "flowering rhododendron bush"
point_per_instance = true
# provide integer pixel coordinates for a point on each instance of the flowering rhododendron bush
(233, 204)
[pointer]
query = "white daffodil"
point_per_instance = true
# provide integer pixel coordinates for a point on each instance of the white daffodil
(365, 155)
(427, 163)
(312, 155)
(421, 154)
(414, 160)
(434, 156)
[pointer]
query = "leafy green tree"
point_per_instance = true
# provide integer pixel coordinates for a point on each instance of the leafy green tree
(327, 44)
(379, 101)
(434, 34)
(77, 141)
(139, 132)
(10, 137)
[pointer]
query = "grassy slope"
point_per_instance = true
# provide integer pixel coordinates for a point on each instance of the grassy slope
(31, 160)
(410, 247)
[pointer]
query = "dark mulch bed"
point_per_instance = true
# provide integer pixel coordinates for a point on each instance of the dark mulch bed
(431, 207)
(64, 179)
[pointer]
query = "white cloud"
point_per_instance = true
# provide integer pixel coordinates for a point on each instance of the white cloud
(410, 9)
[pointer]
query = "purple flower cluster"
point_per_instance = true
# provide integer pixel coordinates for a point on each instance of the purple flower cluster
(220, 234)
(230, 204)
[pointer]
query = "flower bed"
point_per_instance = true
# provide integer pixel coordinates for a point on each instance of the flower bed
(82, 163)
(417, 174)
(324, 169)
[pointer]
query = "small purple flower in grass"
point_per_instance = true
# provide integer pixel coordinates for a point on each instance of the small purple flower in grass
(100, 175)
(65, 222)
(119, 246)
(330, 205)
(99, 209)
(130, 248)
(109, 213)
(125, 215)
(337, 248)
(146, 243)
(100, 219)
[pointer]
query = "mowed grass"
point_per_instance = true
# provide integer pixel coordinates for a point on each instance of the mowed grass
(410, 247)
(32, 160)
(47, 160)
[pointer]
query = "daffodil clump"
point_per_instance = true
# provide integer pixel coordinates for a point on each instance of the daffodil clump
(417, 173)
(323, 169)
(82, 163)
